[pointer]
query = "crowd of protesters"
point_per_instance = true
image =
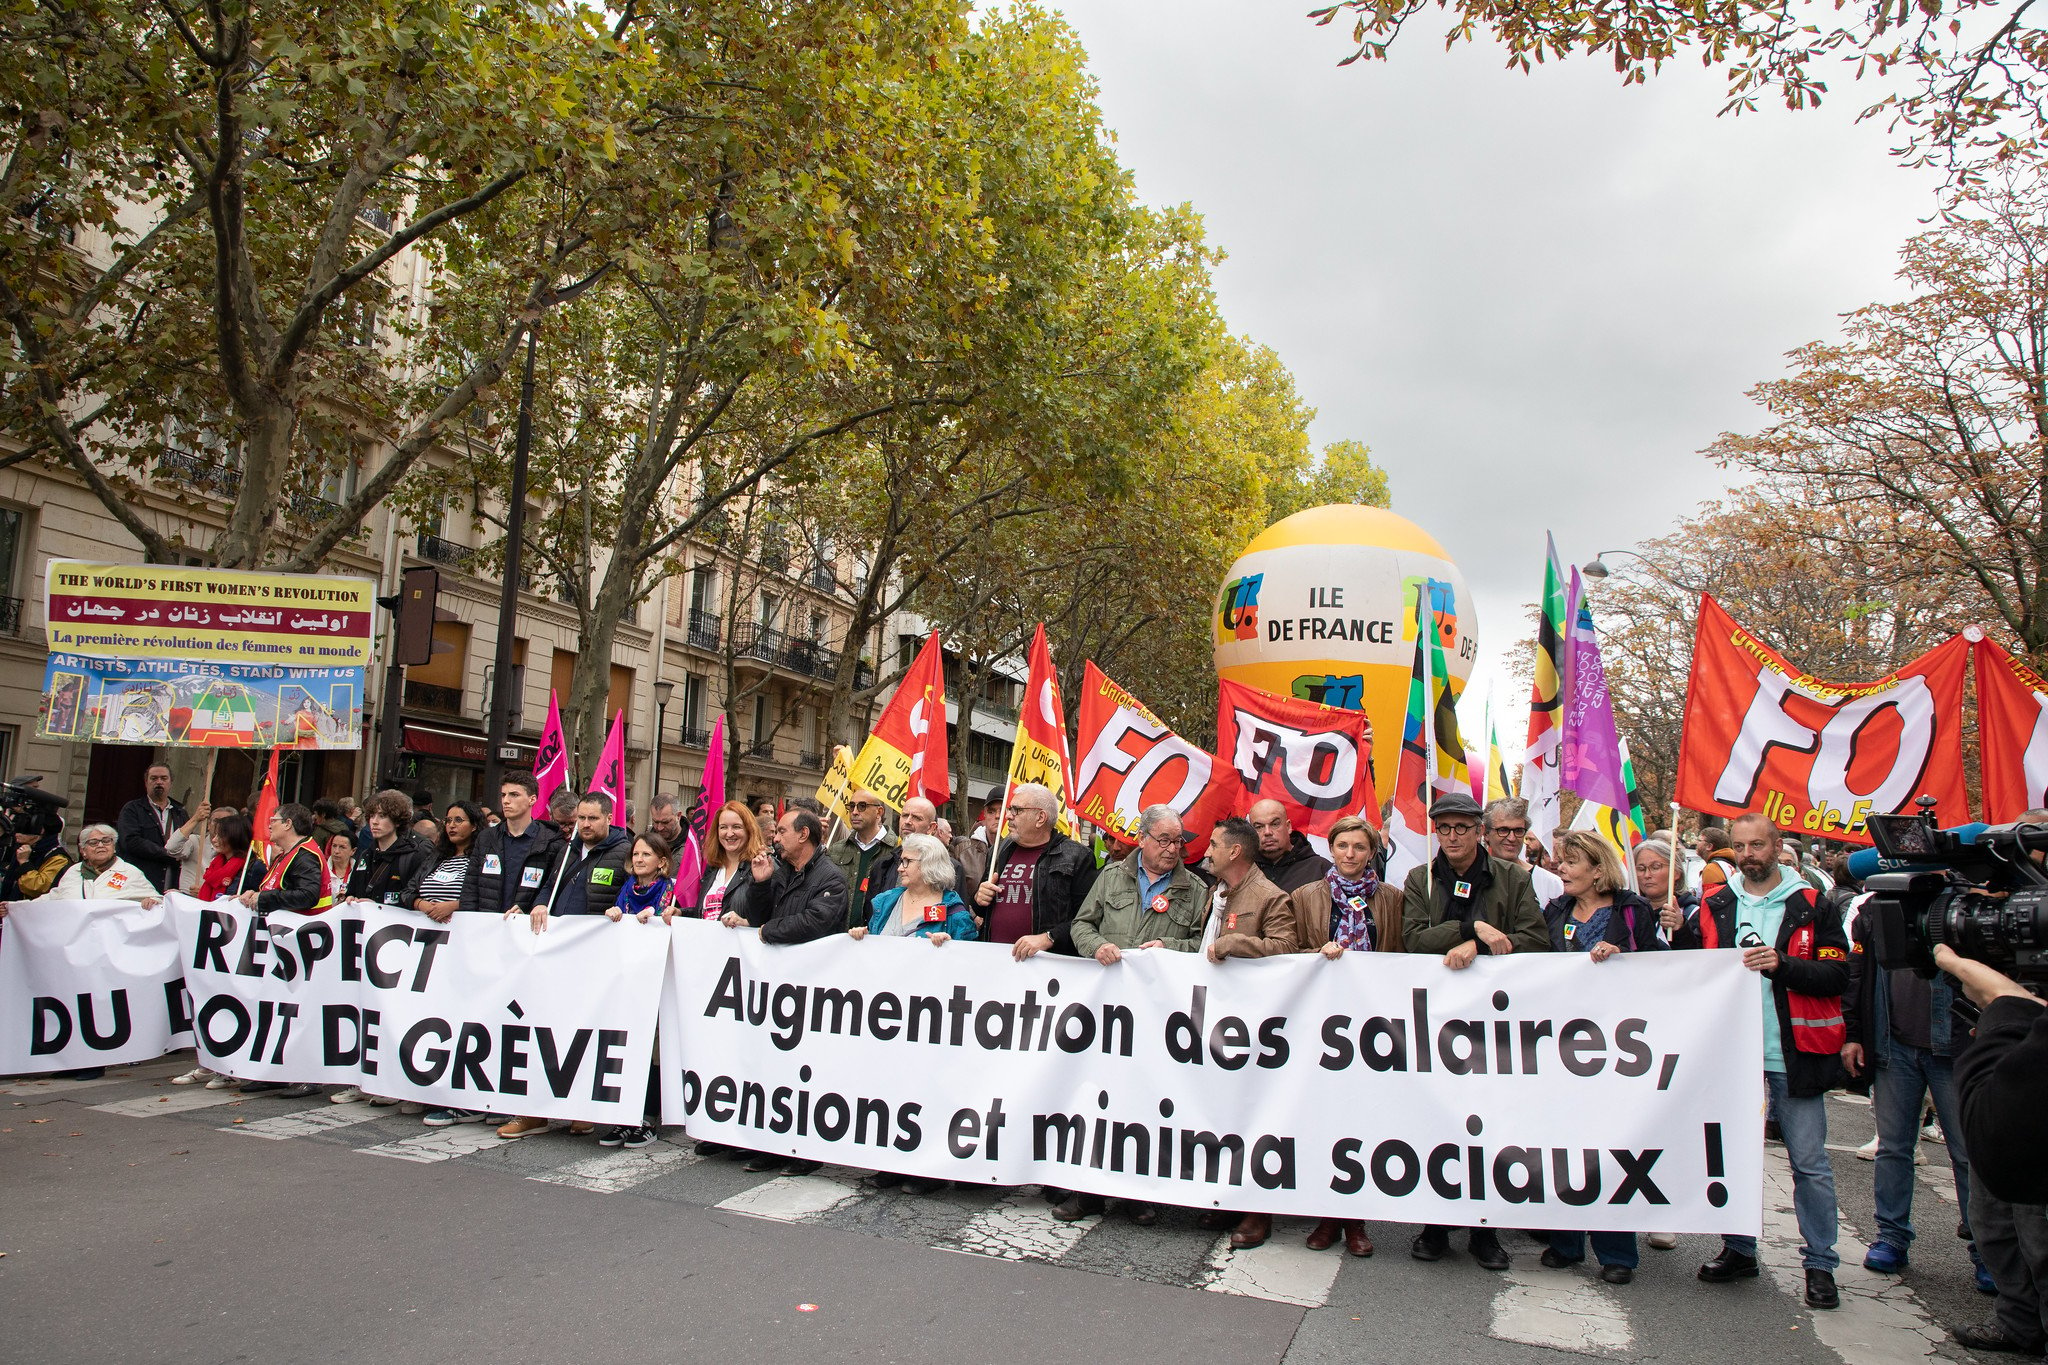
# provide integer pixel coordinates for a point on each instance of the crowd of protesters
(1261, 890)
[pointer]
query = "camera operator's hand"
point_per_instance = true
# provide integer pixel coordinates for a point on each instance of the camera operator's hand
(1981, 983)
(1852, 1058)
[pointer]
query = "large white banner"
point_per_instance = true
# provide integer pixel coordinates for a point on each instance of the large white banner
(88, 983)
(1539, 1090)
(477, 1013)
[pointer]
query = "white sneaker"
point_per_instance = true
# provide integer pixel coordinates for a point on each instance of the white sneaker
(1663, 1241)
(411, 1107)
(1868, 1151)
(348, 1094)
(219, 1082)
(193, 1077)
(379, 1099)
(1932, 1132)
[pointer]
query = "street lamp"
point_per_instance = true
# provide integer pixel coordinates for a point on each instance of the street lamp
(662, 691)
(1597, 566)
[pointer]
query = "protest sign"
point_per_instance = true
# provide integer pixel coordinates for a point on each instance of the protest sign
(1131, 760)
(476, 1013)
(1533, 1091)
(1314, 760)
(157, 654)
(88, 983)
(1817, 757)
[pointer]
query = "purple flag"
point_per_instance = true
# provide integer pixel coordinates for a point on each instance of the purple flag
(697, 832)
(1591, 759)
(551, 760)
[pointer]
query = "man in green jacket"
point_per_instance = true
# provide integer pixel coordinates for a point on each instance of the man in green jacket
(1148, 900)
(867, 855)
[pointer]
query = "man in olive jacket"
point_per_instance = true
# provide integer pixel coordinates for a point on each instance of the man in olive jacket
(1468, 902)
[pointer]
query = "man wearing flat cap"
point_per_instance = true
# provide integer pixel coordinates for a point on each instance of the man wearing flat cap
(1463, 904)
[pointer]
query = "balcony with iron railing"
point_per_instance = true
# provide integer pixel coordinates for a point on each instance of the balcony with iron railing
(201, 472)
(693, 736)
(762, 749)
(445, 551)
(807, 759)
(704, 629)
(12, 612)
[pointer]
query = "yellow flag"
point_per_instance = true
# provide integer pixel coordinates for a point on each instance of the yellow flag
(838, 782)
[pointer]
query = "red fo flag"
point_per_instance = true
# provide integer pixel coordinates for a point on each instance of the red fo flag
(905, 754)
(1314, 760)
(2012, 728)
(1817, 757)
(1040, 751)
(1130, 760)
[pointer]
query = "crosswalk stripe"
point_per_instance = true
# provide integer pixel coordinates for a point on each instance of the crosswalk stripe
(1562, 1309)
(615, 1172)
(148, 1106)
(441, 1144)
(1881, 1320)
(792, 1198)
(1022, 1228)
(305, 1122)
(1281, 1269)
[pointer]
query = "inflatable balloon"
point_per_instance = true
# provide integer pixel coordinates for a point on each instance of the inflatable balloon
(1321, 606)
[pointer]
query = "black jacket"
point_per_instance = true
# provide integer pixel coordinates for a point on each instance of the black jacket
(303, 884)
(580, 884)
(382, 874)
(140, 839)
(1825, 974)
(792, 906)
(1296, 867)
(2002, 1081)
(1061, 881)
(1627, 905)
(496, 884)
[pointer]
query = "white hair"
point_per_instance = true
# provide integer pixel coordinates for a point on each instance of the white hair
(934, 863)
(107, 830)
(1149, 818)
(1037, 796)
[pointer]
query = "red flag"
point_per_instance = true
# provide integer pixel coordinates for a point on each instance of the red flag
(1040, 751)
(905, 754)
(260, 812)
(1816, 757)
(1131, 760)
(2012, 729)
(1314, 760)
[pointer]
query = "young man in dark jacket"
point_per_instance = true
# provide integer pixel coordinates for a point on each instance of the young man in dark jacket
(587, 871)
(391, 852)
(512, 856)
(1796, 944)
(1038, 878)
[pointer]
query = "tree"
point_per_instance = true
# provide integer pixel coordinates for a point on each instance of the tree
(1962, 81)
(213, 213)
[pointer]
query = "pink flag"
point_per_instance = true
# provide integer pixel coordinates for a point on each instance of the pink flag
(609, 776)
(698, 835)
(1475, 764)
(551, 760)
(1592, 763)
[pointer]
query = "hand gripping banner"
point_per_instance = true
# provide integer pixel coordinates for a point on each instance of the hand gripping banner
(1817, 757)
(2012, 728)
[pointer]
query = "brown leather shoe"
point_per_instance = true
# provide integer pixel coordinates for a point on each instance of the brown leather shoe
(1325, 1234)
(1252, 1232)
(1355, 1240)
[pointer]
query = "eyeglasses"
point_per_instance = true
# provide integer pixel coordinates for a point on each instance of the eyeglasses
(96, 842)
(863, 805)
(1168, 840)
(1460, 830)
(1516, 830)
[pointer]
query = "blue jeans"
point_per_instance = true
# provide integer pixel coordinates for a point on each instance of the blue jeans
(1908, 1075)
(1804, 1125)
(1609, 1248)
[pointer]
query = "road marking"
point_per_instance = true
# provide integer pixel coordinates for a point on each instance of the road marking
(612, 1172)
(1282, 1269)
(443, 1144)
(305, 1123)
(1022, 1228)
(148, 1106)
(791, 1198)
(1565, 1310)
(1880, 1322)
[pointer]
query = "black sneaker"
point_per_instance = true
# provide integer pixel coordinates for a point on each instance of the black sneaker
(296, 1091)
(1820, 1290)
(612, 1136)
(260, 1087)
(643, 1136)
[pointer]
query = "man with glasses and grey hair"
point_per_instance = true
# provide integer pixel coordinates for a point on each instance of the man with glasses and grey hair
(1037, 878)
(867, 855)
(1507, 833)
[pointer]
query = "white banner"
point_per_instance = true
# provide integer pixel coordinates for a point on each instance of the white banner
(477, 1013)
(88, 983)
(1533, 1091)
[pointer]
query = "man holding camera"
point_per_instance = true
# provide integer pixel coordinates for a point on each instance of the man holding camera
(1796, 944)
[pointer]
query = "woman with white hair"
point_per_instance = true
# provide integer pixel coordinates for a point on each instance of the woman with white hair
(100, 874)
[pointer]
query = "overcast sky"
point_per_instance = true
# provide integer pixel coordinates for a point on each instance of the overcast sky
(1535, 297)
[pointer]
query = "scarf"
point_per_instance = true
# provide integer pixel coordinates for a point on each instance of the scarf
(1351, 909)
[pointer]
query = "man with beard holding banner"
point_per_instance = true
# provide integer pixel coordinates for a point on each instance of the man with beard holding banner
(1148, 900)
(1796, 944)
(1462, 904)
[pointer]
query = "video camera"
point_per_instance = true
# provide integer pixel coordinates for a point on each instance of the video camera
(29, 810)
(1979, 891)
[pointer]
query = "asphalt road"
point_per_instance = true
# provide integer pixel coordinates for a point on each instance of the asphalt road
(137, 1228)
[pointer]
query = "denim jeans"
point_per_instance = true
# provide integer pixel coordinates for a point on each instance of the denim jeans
(1804, 1126)
(1906, 1077)
(1609, 1248)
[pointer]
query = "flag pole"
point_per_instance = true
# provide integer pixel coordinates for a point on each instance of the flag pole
(1671, 885)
